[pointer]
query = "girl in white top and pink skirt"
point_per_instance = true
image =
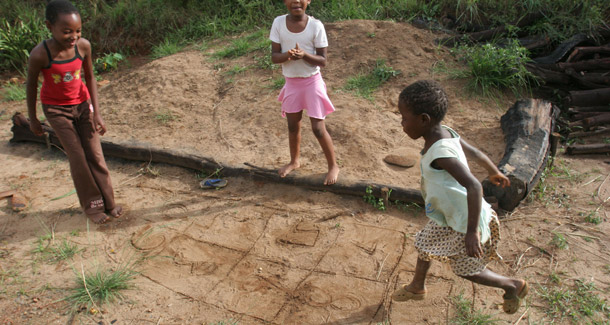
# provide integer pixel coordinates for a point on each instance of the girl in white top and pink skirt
(299, 43)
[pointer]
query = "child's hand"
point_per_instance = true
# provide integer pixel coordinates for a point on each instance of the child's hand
(296, 53)
(499, 180)
(36, 127)
(473, 245)
(99, 124)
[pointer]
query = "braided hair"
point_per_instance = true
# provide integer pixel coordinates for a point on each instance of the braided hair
(425, 96)
(58, 7)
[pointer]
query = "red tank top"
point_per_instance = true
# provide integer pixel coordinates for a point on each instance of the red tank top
(62, 83)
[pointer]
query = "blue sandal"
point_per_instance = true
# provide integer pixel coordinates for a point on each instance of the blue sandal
(213, 183)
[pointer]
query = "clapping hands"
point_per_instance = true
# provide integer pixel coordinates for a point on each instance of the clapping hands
(296, 53)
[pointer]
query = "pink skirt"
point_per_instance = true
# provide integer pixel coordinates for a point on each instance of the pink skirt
(306, 94)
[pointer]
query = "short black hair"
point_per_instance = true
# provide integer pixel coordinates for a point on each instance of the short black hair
(57, 7)
(425, 96)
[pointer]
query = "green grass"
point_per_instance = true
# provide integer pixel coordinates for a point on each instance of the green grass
(580, 304)
(369, 198)
(277, 83)
(236, 69)
(53, 251)
(164, 117)
(13, 92)
(244, 45)
(490, 68)
(366, 83)
(100, 286)
(465, 314)
(166, 48)
(559, 241)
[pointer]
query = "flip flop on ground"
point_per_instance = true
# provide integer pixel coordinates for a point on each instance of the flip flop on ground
(18, 201)
(212, 183)
(511, 305)
(403, 294)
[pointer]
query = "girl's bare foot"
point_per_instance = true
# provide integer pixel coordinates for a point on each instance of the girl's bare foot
(116, 212)
(331, 177)
(99, 218)
(288, 168)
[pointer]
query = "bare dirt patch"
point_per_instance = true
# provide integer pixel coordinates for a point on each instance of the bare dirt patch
(258, 252)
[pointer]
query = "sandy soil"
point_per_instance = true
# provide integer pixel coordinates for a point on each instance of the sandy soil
(257, 252)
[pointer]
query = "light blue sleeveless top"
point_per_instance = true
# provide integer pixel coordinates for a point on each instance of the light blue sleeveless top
(445, 198)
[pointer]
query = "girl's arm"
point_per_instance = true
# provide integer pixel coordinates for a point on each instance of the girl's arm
(277, 56)
(318, 59)
(495, 176)
(98, 122)
(36, 62)
(474, 195)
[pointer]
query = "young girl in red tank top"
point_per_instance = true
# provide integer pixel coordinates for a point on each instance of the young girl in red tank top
(71, 107)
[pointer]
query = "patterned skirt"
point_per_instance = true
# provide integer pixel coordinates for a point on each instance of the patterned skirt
(440, 243)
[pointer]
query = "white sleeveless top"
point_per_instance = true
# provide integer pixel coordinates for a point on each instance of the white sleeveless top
(445, 198)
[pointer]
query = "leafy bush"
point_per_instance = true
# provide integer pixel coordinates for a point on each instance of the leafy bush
(108, 62)
(491, 67)
(18, 39)
(13, 92)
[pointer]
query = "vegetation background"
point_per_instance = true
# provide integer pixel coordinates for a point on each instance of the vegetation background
(136, 27)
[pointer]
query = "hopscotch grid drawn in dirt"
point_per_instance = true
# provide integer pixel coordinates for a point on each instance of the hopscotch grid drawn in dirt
(305, 232)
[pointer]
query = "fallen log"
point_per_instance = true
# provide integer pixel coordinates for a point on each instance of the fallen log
(595, 97)
(491, 33)
(562, 50)
(547, 75)
(137, 151)
(583, 109)
(589, 80)
(527, 128)
(585, 134)
(588, 65)
(581, 51)
(583, 115)
(534, 42)
(599, 119)
(580, 149)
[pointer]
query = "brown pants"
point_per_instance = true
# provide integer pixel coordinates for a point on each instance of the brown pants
(74, 127)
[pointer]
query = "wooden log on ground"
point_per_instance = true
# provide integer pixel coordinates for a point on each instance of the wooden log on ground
(588, 65)
(585, 134)
(589, 81)
(583, 115)
(581, 149)
(561, 50)
(600, 119)
(534, 42)
(583, 109)
(595, 97)
(491, 33)
(547, 75)
(527, 128)
(581, 51)
(137, 151)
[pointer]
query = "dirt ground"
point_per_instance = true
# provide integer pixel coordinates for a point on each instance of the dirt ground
(261, 253)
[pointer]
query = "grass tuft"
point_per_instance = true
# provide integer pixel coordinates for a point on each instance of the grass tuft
(365, 84)
(166, 48)
(491, 68)
(13, 92)
(576, 303)
(465, 314)
(100, 287)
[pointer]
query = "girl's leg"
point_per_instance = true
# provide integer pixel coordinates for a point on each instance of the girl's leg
(326, 142)
(511, 287)
(294, 141)
(418, 283)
